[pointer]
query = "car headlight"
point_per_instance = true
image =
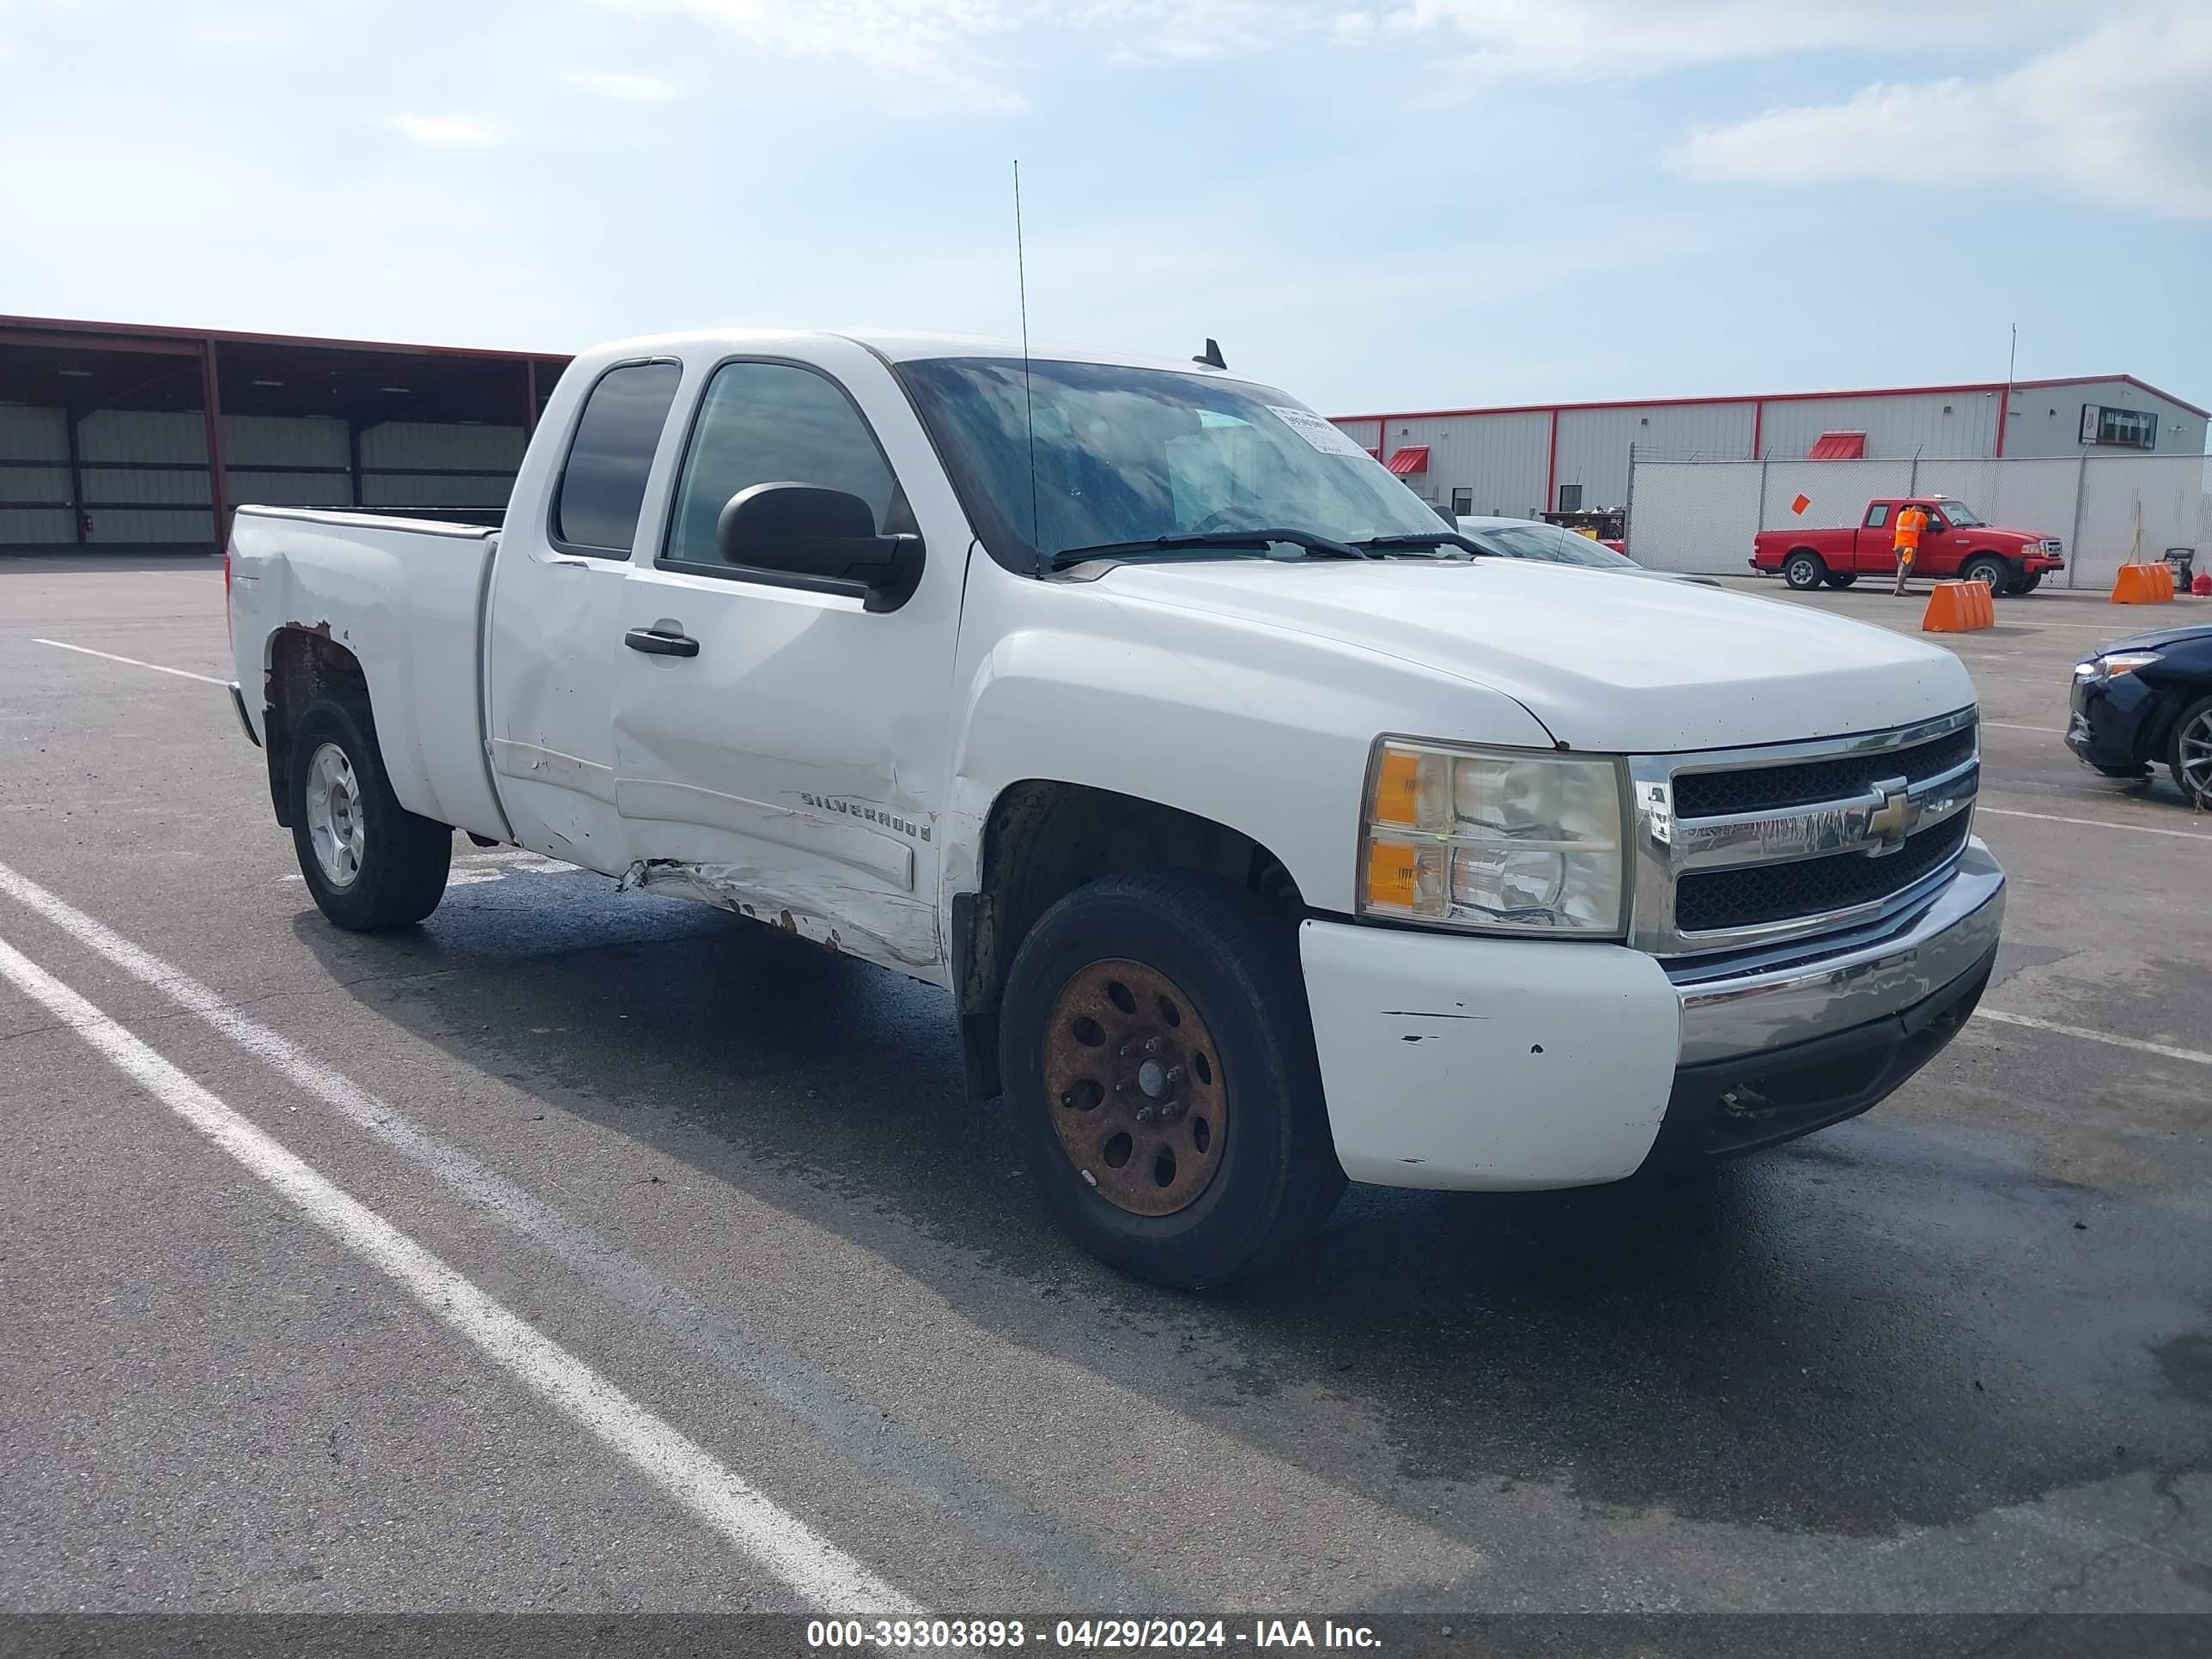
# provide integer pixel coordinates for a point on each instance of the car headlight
(1505, 842)
(2113, 665)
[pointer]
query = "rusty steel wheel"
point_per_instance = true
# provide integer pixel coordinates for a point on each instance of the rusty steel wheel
(1139, 1099)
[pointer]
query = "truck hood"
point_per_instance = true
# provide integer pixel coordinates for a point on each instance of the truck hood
(1642, 667)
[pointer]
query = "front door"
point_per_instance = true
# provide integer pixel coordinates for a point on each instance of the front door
(557, 589)
(1939, 547)
(790, 763)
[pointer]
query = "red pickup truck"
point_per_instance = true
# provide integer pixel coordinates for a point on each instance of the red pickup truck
(1956, 543)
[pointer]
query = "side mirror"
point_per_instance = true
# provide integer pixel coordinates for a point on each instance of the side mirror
(821, 538)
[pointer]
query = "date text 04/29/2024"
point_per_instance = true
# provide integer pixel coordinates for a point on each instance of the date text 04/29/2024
(1085, 1635)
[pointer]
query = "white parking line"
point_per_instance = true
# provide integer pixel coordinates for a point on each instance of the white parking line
(2167, 1049)
(2091, 823)
(2007, 726)
(810, 1565)
(181, 673)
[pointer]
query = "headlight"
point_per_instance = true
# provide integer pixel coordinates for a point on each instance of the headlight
(2113, 665)
(1515, 842)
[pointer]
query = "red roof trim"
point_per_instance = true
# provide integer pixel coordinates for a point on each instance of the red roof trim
(1413, 457)
(153, 331)
(1784, 398)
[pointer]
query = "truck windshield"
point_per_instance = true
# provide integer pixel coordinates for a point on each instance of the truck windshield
(1958, 513)
(1131, 455)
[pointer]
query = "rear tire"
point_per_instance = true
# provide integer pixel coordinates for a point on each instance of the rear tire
(1804, 570)
(2191, 757)
(371, 864)
(1137, 993)
(1992, 571)
(1838, 582)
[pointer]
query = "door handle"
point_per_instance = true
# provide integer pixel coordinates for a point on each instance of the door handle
(655, 643)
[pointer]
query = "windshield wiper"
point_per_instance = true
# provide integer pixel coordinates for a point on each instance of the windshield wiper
(1428, 538)
(1256, 540)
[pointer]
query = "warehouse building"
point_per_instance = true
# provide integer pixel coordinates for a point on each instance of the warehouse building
(1566, 457)
(116, 437)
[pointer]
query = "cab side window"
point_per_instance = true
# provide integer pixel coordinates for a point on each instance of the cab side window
(774, 423)
(1877, 515)
(602, 486)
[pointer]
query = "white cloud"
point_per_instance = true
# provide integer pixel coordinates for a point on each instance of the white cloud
(624, 88)
(2117, 116)
(929, 41)
(443, 131)
(1606, 39)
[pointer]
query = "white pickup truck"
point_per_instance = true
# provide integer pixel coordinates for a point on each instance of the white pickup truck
(1262, 834)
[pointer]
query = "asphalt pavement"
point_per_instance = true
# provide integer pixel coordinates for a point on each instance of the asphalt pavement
(783, 1327)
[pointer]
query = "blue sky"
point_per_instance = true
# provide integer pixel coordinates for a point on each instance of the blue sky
(1421, 203)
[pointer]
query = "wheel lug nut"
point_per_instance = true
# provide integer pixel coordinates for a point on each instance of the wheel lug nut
(1127, 1051)
(1174, 1074)
(1143, 1115)
(1151, 1045)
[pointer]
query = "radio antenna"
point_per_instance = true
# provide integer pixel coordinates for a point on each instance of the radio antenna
(1029, 404)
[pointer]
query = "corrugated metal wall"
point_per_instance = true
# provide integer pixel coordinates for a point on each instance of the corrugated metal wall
(2047, 420)
(1501, 459)
(1594, 443)
(1949, 423)
(145, 477)
(40, 437)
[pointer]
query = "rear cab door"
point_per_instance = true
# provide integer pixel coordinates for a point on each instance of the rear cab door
(1875, 546)
(793, 766)
(551, 639)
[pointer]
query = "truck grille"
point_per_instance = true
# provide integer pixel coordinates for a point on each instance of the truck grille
(1710, 900)
(1761, 788)
(1738, 848)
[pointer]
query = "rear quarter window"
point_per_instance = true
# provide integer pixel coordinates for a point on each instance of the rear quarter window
(602, 488)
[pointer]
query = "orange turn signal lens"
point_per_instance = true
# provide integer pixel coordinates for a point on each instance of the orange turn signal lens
(1397, 788)
(1390, 874)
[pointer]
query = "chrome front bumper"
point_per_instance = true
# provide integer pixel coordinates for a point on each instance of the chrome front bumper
(1788, 998)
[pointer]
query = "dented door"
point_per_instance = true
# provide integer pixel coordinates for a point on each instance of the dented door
(779, 750)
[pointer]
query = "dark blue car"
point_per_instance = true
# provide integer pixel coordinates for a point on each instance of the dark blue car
(2147, 699)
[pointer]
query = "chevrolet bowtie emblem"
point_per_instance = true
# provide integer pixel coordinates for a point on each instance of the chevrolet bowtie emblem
(1888, 825)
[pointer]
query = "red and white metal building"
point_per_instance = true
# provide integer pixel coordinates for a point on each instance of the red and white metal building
(1522, 460)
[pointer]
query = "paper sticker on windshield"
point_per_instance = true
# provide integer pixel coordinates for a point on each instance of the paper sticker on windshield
(1315, 431)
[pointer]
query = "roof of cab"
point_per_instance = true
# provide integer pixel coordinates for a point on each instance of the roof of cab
(900, 345)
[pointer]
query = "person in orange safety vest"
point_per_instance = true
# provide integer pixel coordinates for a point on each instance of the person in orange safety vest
(1909, 523)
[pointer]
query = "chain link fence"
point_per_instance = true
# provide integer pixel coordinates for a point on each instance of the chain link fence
(1700, 516)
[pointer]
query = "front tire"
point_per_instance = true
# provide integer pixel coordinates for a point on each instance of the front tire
(1992, 571)
(1804, 571)
(1160, 1079)
(1839, 582)
(2191, 760)
(371, 864)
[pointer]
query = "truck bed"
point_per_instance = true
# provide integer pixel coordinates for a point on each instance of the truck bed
(406, 596)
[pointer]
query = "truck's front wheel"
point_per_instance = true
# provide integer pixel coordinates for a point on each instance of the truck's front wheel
(1160, 1079)
(371, 864)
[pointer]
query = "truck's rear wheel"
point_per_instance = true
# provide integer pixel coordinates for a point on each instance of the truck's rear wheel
(1992, 571)
(370, 863)
(1160, 1079)
(1804, 570)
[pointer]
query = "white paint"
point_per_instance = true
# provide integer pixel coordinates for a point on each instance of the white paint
(2090, 823)
(2165, 1050)
(1485, 1064)
(86, 650)
(813, 1568)
(2007, 726)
